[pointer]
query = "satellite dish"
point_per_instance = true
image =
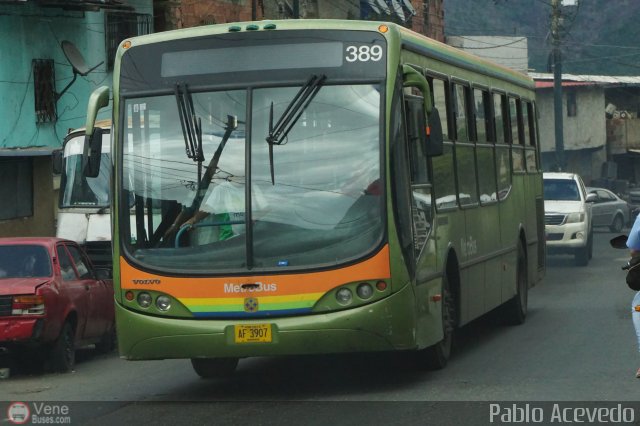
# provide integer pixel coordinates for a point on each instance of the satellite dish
(75, 58)
(77, 62)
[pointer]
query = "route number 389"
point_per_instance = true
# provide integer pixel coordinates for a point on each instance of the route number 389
(363, 53)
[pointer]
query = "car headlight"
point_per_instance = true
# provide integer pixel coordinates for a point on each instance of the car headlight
(575, 217)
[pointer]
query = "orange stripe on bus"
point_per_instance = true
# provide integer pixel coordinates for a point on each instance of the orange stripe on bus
(376, 267)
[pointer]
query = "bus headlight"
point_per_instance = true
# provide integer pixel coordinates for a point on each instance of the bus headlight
(575, 217)
(344, 296)
(144, 299)
(163, 303)
(364, 291)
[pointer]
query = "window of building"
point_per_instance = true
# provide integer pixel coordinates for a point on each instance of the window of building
(16, 188)
(119, 26)
(572, 106)
(44, 89)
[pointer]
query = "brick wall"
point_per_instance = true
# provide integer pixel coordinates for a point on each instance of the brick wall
(429, 19)
(193, 13)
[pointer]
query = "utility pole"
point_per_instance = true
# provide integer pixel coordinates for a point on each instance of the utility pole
(557, 84)
(296, 9)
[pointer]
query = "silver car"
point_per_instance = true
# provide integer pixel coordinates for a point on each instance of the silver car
(608, 209)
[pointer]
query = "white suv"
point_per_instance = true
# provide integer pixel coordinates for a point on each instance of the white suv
(567, 216)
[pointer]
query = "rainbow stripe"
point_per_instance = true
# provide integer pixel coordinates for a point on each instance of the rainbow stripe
(267, 305)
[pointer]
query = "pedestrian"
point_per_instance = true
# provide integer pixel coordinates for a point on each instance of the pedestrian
(633, 242)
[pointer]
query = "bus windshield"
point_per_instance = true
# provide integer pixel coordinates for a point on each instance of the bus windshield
(78, 190)
(323, 207)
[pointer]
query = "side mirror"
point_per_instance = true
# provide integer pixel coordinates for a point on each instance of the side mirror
(92, 153)
(93, 135)
(619, 242)
(103, 274)
(57, 157)
(432, 129)
(591, 198)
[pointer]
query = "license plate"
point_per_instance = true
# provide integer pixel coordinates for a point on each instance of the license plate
(254, 333)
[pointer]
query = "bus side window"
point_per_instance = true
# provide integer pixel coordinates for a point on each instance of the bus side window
(529, 120)
(503, 171)
(499, 117)
(517, 146)
(421, 205)
(466, 169)
(460, 113)
(481, 114)
(438, 91)
(487, 174)
(400, 179)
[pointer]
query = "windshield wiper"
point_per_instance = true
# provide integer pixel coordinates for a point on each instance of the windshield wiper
(205, 181)
(191, 124)
(291, 115)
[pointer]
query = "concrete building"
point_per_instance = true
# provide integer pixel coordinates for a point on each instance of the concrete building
(511, 52)
(36, 110)
(601, 127)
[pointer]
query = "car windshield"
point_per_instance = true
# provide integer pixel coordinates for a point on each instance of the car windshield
(21, 261)
(561, 190)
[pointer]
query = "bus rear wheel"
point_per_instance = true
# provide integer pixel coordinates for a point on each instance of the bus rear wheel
(210, 368)
(437, 356)
(515, 310)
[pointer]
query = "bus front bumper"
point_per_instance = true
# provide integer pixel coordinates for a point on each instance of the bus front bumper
(385, 325)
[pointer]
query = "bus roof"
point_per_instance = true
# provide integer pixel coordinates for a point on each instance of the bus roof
(410, 40)
(429, 47)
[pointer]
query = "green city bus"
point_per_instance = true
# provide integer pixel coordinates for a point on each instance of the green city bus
(315, 186)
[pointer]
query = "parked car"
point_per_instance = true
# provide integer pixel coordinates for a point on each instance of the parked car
(52, 300)
(567, 216)
(608, 209)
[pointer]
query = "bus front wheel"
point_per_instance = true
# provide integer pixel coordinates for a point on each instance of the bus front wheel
(437, 356)
(209, 368)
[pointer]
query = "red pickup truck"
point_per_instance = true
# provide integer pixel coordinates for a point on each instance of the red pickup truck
(53, 300)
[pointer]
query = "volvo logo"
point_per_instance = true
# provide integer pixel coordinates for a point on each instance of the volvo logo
(143, 282)
(250, 304)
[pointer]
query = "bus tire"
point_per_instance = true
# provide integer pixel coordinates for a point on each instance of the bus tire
(107, 342)
(515, 310)
(210, 368)
(63, 352)
(437, 356)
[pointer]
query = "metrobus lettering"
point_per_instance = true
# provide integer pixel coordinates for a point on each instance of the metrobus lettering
(258, 287)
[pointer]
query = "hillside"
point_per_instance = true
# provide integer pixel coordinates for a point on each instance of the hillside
(599, 37)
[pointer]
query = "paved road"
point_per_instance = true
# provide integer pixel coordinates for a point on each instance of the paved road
(577, 345)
